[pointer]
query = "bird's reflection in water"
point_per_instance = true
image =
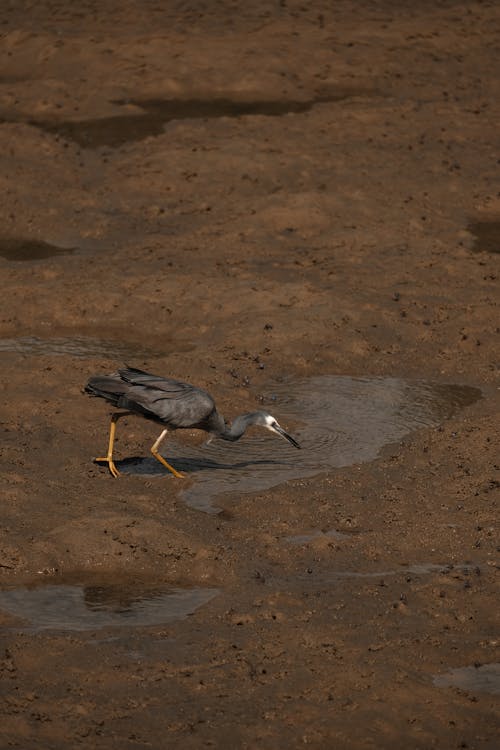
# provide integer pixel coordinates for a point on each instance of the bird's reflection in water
(188, 465)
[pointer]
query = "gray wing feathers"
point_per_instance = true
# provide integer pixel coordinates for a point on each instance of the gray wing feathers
(108, 387)
(181, 411)
(169, 401)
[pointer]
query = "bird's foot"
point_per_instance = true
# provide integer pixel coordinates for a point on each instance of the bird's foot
(167, 465)
(111, 465)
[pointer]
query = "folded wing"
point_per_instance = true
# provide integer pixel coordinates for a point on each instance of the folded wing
(171, 402)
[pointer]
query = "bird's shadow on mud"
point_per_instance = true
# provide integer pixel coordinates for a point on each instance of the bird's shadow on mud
(187, 465)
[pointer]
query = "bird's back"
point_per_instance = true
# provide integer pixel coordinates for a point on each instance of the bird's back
(165, 400)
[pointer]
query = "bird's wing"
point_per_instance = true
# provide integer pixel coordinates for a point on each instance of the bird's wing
(170, 401)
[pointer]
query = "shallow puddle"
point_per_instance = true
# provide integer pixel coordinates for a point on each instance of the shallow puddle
(339, 421)
(313, 536)
(29, 250)
(76, 346)
(117, 130)
(487, 235)
(413, 569)
(407, 572)
(94, 606)
(484, 678)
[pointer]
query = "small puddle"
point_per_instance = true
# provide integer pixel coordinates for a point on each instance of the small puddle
(484, 678)
(414, 569)
(453, 570)
(487, 235)
(343, 421)
(26, 250)
(312, 536)
(117, 130)
(76, 346)
(95, 606)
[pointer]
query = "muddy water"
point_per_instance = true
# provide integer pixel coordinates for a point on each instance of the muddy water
(339, 421)
(417, 569)
(75, 346)
(484, 678)
(93, 606)
(313, 536)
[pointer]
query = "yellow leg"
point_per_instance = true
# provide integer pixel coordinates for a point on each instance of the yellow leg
(112, 430)
(154, 451)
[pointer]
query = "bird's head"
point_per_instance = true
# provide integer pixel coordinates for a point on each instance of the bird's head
(269, 422)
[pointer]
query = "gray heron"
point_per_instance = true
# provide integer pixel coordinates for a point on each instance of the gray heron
(172, 404)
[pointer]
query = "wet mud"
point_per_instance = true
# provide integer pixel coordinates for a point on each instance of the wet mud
(486, 236)
(29, 250)
(153, 114)
(295, 207)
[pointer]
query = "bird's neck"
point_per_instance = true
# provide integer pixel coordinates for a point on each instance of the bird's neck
(238, 427)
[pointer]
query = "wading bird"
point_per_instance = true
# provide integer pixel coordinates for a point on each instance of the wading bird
(172, 404)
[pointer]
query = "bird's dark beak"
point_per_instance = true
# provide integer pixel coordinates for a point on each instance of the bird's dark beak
(285, 435)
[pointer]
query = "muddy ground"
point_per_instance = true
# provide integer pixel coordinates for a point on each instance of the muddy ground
(243, 194)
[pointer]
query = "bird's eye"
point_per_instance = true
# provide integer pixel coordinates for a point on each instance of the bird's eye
(274, 424)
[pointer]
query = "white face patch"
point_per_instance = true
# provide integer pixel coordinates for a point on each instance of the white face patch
(271, 423)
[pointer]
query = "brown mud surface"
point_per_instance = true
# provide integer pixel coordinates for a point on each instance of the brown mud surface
(263, 199)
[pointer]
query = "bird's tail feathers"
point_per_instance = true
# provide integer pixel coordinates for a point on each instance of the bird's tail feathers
(105, 387)
(134, 376)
